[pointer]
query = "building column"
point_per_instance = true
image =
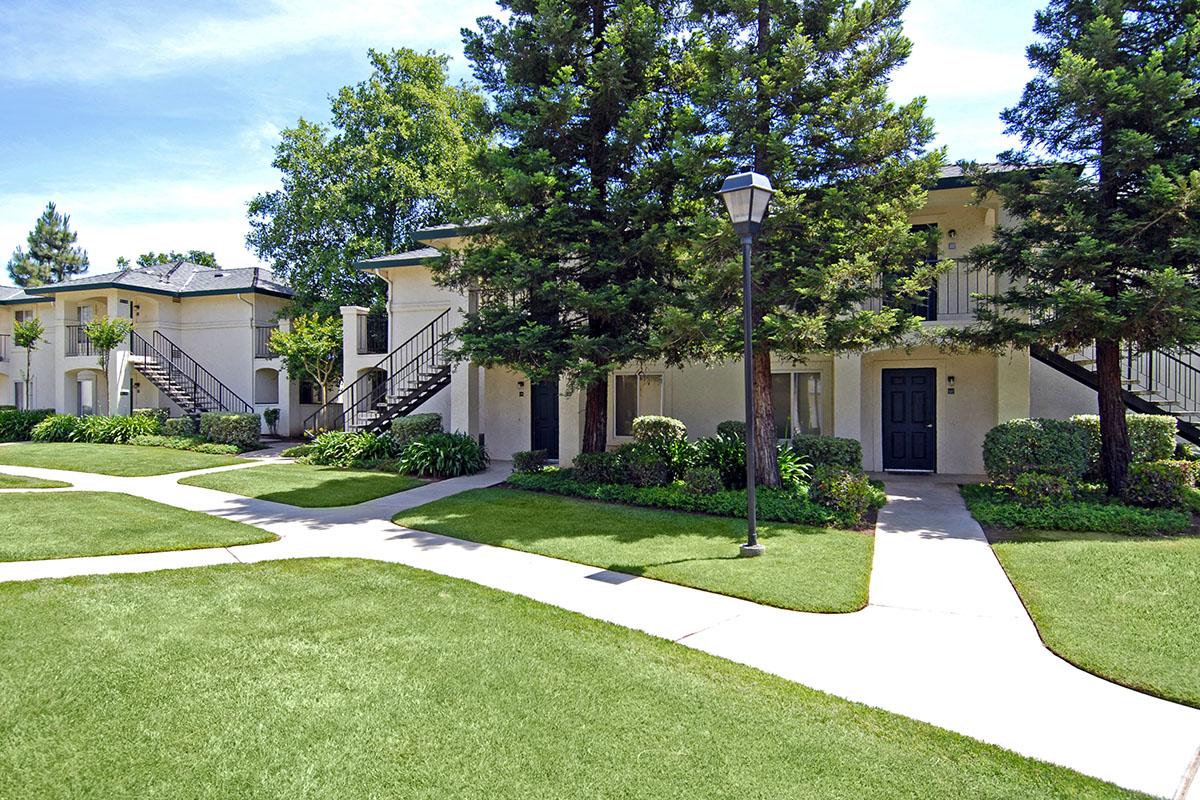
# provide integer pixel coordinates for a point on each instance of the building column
(465, 400)
(847, 396)
(57, 376)
(350, 357)
(570, 424)
(1012, 385)
(120, 398)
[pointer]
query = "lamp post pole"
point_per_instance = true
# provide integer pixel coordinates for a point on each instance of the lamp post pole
(751, 547)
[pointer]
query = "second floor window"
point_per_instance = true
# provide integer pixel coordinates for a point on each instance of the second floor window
(796, 397)
(637, 396)
(24, 315)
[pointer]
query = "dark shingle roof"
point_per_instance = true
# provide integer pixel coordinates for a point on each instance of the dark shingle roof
(412, 258)
(177, 279)
(13, 295)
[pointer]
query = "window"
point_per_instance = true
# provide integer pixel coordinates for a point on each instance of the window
(637, 396)
(84, 314)
(24, 315)
(796, 397)
(85, 396)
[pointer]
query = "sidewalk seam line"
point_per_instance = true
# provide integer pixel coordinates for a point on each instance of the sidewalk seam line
(716, 624)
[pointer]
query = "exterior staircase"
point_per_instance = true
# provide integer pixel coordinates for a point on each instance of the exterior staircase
(1156, 382)
(398, 385)
(177, 375)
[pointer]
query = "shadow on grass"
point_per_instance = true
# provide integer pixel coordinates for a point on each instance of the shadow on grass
(348, 491)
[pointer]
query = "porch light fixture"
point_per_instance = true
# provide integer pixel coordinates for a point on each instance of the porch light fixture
(746, 197)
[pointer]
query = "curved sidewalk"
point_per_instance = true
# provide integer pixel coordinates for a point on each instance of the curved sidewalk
(944, 639)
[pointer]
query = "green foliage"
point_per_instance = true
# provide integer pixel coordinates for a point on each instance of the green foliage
(27, 333)
(703, 480)
(397, 156)
(444, 455)
(299, 451)
(271, 417)
(112, 430)
(220, 427)
(347, 449)
(658, 432)
(529, 460)
(311, 350)
(1051, 446)
(413, 426)
(52, 255)
(55, 428)
(1041, 489)
(774, 505)
(991, 505)
(160, 415)
(603, 467)
(202, 257)
(1160, 484)
(726, 452)
(1151, 437)
(17, 426)
(732, 429)
(847, 493)
(194, 444)
(647, 468)
(829, 451)
(180, 426)
(794, 469)
(107, 333)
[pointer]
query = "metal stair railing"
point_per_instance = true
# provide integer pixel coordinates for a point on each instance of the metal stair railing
(226, 399)
(182, 371)
(407, 370)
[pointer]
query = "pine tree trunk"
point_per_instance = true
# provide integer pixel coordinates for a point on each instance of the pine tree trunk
(765, 448)
(1115, 453)
(595, 417)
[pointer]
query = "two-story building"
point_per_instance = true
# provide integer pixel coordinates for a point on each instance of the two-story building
(199, 343)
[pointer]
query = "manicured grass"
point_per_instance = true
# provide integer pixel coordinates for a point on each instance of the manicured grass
(805, 568)
(21, 482)
(337, 678)
(66, 524)
(122, 460)
(306, 485)
(1127, 608)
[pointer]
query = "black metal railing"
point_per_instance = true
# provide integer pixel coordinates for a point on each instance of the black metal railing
(956, 295)
(178, 369)
(372, 334)
(262, 340)
(78, 344)
(4, 346)
(400, 374)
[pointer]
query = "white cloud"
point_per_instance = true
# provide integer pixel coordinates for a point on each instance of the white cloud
(141, 40)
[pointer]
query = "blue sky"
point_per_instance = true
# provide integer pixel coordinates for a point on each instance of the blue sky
(153, 124)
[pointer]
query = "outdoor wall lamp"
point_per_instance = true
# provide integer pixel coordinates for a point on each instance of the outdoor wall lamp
(746, 197)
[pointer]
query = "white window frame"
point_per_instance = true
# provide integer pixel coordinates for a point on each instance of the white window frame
(662, 397)
(22, 315)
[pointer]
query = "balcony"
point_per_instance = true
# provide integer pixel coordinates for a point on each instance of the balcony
(77, 342)
(372, 334)
(262, 341)
(952, 299)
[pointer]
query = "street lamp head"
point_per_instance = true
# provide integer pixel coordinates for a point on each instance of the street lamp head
(746, 196)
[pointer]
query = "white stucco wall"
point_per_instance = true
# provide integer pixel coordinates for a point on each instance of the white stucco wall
(1054, 395)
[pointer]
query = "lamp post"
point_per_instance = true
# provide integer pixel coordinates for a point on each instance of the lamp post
(746, 197)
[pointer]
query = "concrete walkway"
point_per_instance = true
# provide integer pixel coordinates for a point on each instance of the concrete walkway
(945, 638)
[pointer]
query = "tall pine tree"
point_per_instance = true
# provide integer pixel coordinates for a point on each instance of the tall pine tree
(797, 89)
(52, 255)
(1106, 249)
(590, 185)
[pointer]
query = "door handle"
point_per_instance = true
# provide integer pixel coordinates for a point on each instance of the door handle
(930, 425)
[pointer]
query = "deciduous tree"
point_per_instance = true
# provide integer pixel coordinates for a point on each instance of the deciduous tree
(106, 334)
(27, 333)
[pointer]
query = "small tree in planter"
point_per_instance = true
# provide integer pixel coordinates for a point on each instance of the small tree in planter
(27, 334)
(106, 334)
(271, 417)
(311, 350)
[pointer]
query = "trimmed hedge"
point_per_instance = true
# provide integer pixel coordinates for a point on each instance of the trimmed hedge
(220, 427)
(414, 426)
(1160, 484)
(991, 505)
(848, 493)
(774, 505)
(529, 460)
(180, 426)
(17, 426)
(829, 451)
(1151, 437)
(1050, 446)
(192, 443)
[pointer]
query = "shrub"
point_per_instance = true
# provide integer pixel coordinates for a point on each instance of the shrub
(529, 460)
(159, 415)
(1039, 488)
(193, 443)
(299, 451)
(55, 428)
(726, 453)
(414, 426)
(1151, 437)
(849, 494)
(703, 480)
(656, 432)
(444, 455)
(794, 469)
(991, 505)
(113, 430)
(1160, 484)
(179, 426)
(647, 468)
(732, 428)
(271, 417)
(606, 467)
(348, 449)
(1051, 446)
(221, 427)
(829, 451)
(17, 426)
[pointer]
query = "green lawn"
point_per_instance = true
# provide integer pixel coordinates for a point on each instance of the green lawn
(306, 485)
(21, 482)
(1124, 607)
(805, 568)
(66, 524)
(340, 678)
(110, 459)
